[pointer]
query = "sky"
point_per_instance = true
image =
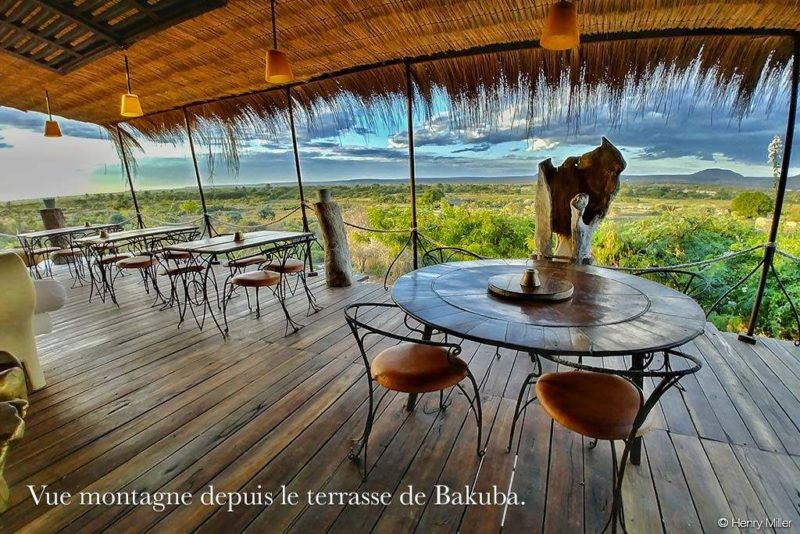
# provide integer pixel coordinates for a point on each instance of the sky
(693, 136)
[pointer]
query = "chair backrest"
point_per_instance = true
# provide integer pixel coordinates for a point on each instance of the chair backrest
(687, 282)
(17, 307)
(439, 255)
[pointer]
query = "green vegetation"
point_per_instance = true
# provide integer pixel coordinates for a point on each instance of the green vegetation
(752, 204)
(649, 225)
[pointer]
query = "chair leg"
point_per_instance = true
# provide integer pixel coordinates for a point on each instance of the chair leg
(477, 410)
(520, 407)
(363, 441)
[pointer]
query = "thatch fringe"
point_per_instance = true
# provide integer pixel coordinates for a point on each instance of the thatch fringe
(572, 87)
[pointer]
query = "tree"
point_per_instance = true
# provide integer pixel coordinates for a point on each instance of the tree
(190, 207)
(774, 154)
(752, 204)
(266, 213)
(431, 195)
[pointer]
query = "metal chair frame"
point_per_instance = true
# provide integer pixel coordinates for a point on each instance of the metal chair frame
(669, 377)
(360, 444)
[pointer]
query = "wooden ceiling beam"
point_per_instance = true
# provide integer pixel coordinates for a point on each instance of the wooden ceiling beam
(77, 18)
(22, 29)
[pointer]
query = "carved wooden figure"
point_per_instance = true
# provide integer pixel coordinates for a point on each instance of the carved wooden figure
(573, 199)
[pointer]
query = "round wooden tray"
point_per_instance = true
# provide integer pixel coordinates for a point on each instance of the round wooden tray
(553, 288)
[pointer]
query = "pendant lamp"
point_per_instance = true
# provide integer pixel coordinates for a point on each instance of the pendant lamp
(278, 68)
(51, 128)
(129, 104)
(561, 27)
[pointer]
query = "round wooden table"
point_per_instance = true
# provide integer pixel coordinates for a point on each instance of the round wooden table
(610, 312)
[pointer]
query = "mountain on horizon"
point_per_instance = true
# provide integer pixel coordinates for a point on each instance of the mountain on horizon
(711, 176)
(716, 173)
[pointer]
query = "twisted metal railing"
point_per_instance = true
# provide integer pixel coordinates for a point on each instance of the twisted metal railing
(701, 265)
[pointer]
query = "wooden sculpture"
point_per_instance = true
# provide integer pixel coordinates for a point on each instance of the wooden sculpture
(572, 199)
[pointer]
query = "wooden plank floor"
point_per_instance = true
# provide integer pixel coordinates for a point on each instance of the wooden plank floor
(134, 403)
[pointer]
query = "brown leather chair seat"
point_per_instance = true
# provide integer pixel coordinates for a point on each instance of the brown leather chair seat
(114, 258)
(175, 255)
(136, 262)
(241, 263)
(596, 405)
(256, 279)
(290, 265)
(415, 368)
(182, 269)
(46, 250)
(66, 253)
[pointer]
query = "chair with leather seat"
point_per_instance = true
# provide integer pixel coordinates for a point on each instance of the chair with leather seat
(606, 404)
(185, 287)
(146, 265)
(414, 366)
(286, 267)
(258, 279)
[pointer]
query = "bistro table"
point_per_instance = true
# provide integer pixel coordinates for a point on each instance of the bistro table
(274, 245)
(55, 237)
(611, 313)
(142, 240)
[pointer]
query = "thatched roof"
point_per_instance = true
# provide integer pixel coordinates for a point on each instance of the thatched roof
(478, 52)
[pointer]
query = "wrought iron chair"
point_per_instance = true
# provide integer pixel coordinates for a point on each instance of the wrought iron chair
(413, 366)
(439, 255)
(687, 282)
(607, 404)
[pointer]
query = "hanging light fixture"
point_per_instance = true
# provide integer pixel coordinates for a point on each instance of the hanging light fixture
(129, 105)
(51, 128)
(278, 68)
(561, 27)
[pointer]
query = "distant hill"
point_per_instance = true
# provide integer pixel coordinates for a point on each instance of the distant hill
(713, 176)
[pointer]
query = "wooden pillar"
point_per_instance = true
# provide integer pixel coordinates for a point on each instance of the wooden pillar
(769, 251)
(206, 218)
(338, 267)
(299, 173)
(412, 175)
(126, 166)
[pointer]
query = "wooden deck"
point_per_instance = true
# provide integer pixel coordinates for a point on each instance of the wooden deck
(133, 403)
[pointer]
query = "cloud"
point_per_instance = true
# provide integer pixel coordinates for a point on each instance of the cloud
(542, 143)
(480, 147)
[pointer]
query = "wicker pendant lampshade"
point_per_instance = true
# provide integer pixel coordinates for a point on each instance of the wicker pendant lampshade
(278, 68)
(51, 127)
(129, 102)
(561, 27)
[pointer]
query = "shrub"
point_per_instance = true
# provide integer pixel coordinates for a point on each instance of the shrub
(752, 204)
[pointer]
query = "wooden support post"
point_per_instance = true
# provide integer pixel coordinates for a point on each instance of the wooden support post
(206, 218)
(127, 167)
(769, 251)
(338, 268)
(311, 271)
(412, 174)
